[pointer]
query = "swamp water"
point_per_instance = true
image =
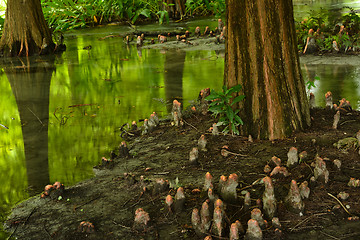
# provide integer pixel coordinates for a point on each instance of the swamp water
(62, 115)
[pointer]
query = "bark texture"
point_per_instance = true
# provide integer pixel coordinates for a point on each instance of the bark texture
(25, 29)
(261, 55)
(176, 8)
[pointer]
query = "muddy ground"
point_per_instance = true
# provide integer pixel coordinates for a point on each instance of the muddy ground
(110, 199)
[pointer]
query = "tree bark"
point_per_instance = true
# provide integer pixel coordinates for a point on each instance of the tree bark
(177, 10)
(261, 55)
(25, 29)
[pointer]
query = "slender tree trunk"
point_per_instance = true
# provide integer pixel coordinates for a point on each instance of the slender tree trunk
(261, 55)
(25, 29)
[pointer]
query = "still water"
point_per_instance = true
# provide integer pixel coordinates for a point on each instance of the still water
(60, 116)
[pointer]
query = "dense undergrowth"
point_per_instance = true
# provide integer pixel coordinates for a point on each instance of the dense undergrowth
(69, 14)
(326, 27)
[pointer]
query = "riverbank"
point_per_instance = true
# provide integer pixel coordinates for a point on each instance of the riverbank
(110, 199)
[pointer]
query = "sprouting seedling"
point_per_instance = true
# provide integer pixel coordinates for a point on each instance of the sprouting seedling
(221, 103)
(311, 83)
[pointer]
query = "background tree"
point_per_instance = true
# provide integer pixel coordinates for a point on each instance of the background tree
(175, 8)
(261, 55)
(25, 29)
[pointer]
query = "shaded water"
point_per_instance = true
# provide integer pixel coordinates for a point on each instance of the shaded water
(63, 114)
(303, 7)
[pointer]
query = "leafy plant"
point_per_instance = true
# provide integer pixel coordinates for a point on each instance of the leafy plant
(204, 7)
(222, 103)
(311, 83)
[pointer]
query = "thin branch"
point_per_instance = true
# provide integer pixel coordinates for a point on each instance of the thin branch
(35, 116)
(93, 199)
(340, 203)
(190, 125)
(307, 219)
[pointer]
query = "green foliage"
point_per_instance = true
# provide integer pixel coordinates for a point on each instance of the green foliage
(205, 7)
(326, 26)
(311, 83)
(63, 15)
(222, 103)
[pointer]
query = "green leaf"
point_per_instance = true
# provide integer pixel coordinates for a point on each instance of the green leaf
(236, 88)
(216, 109)
(230, 113)
(145, 12)
(233, 129)
(236, 131)
(238, 99)
(224, 120)
(214, 95)
(226, 130)
(238, 119)
(317, 78)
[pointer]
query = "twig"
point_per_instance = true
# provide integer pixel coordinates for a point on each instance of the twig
(328, 235)
(95, 198)
(47, 231)
(123, 226)
(190, 125)
(32, 211)
(340, 203)
(161, 173)
(347, 122)
(126, 202)
(307, 219)
(35, 116)
(236, 154)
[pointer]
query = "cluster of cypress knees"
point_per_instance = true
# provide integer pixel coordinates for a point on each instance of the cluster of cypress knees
(210, 220)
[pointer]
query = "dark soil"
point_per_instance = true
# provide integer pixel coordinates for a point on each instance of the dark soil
(110, 199)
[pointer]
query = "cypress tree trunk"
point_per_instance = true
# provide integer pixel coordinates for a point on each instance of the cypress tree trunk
(25, 29)
(261, 55)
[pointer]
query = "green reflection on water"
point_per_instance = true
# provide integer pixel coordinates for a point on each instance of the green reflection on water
(13, 181)
(106, 87)
(91, 94)
(302, 8)
(343, 81)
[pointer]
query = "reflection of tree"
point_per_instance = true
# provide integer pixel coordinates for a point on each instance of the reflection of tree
(30, 83)
(174, 66)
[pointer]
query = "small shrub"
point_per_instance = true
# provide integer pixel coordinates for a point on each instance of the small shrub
(222, 103)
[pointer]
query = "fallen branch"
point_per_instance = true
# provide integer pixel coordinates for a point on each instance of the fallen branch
(340, 203)
(190, 125)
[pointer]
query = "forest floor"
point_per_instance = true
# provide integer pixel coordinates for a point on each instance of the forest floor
(110, 199)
